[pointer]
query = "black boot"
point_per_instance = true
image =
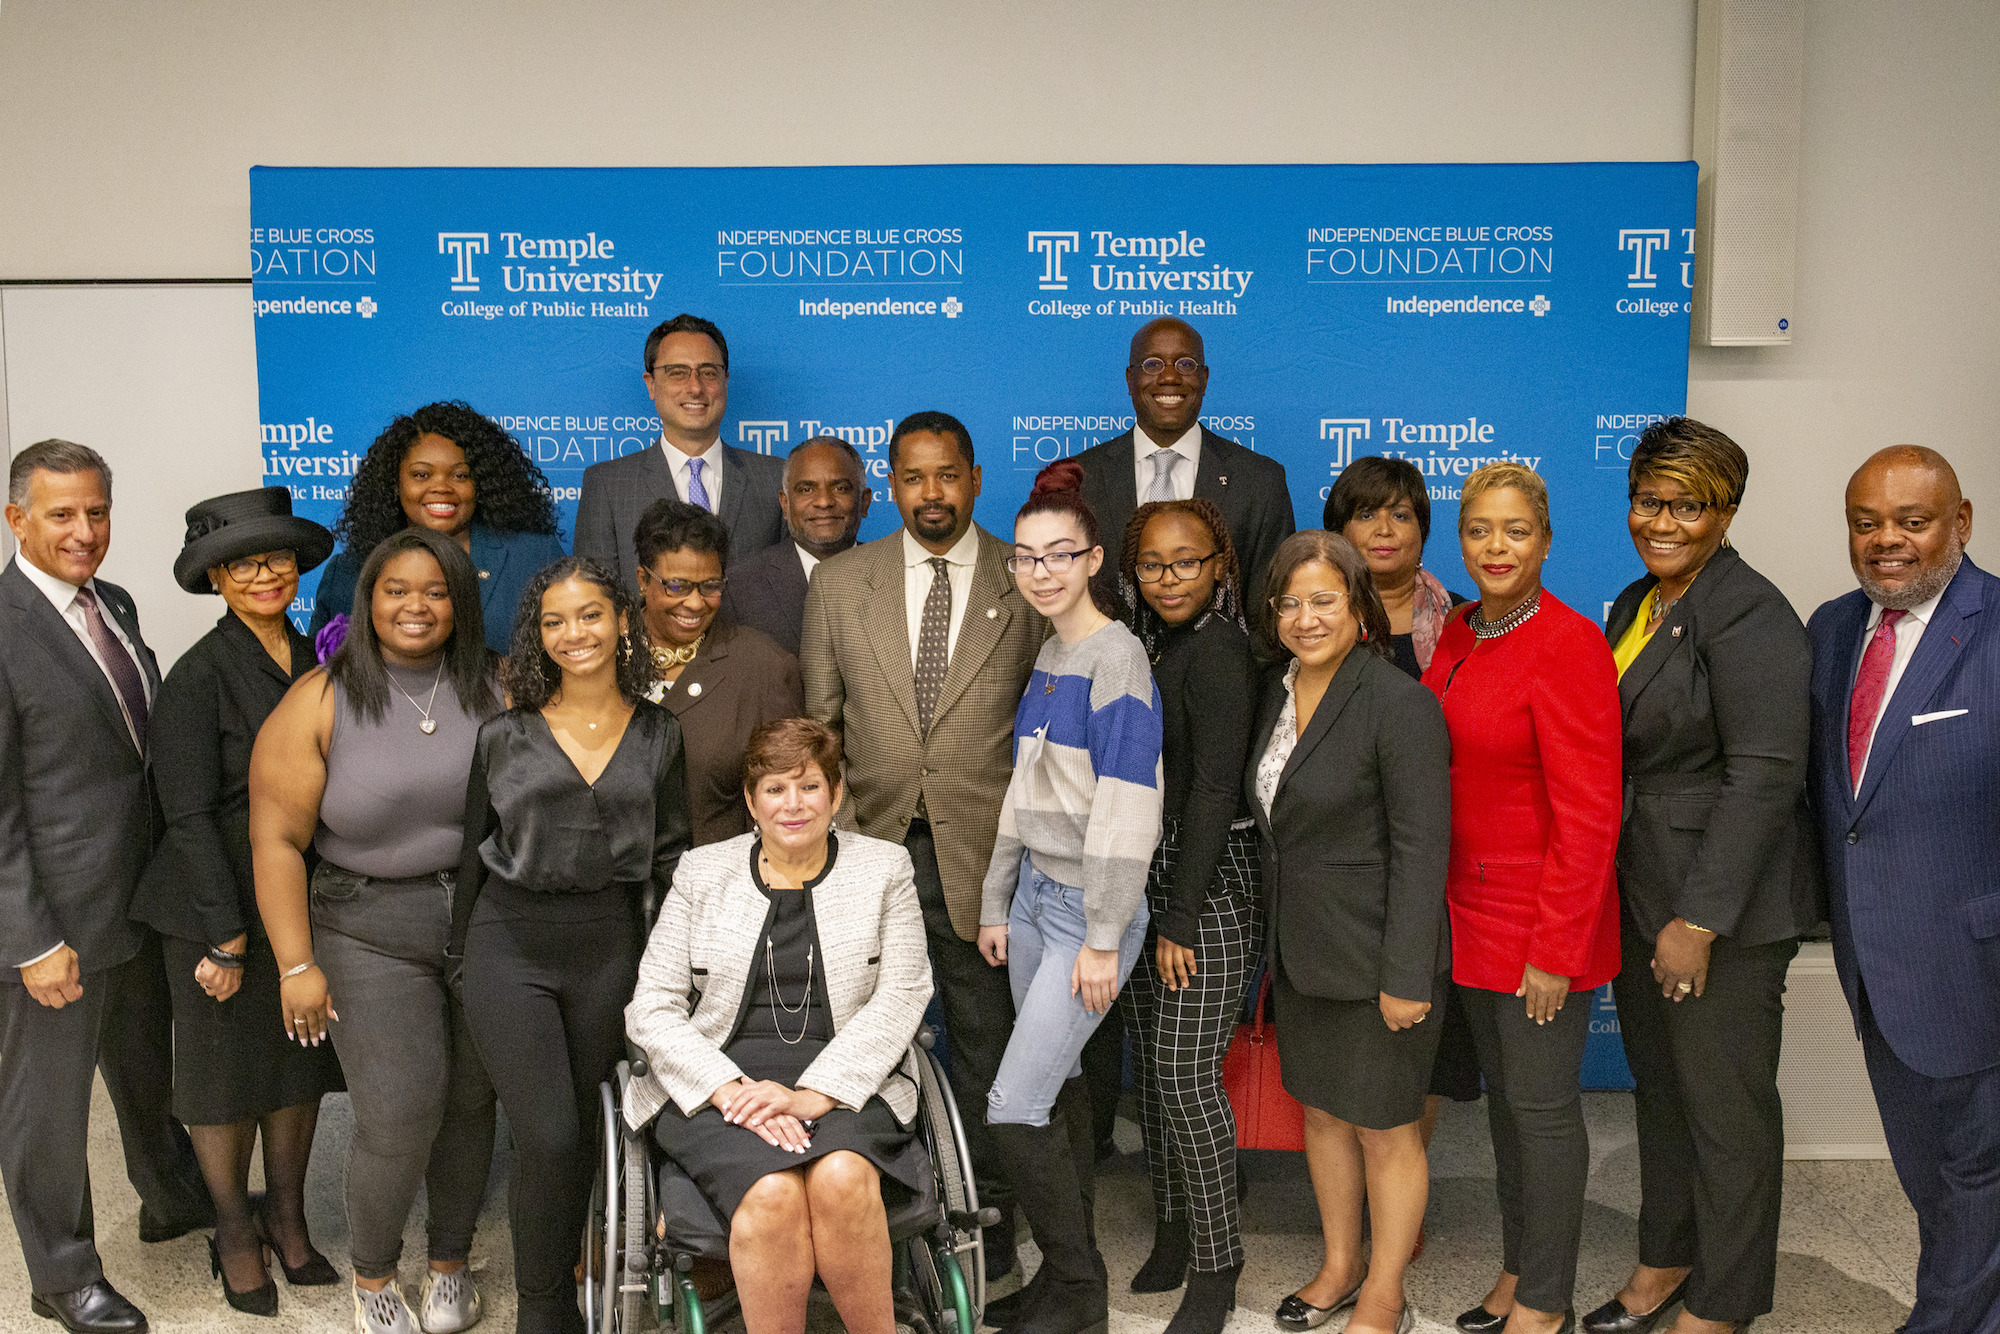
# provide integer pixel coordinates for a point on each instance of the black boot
(997, 1243)
(1209, 1300)
(1071, 1296)
(1166, 1267)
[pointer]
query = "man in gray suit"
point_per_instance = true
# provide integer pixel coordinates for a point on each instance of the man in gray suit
(687, 377)
(82, 985)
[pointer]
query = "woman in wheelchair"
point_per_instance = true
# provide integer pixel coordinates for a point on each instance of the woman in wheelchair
(776, 1004)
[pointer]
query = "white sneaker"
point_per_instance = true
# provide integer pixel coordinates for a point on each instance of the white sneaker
(383, 1312)
(449, 1302)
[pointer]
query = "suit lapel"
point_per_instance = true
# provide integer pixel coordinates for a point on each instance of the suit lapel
(1338, 692)
(1260, 737)
(734, 482)
(128, 623)
(697, 680)
(52, 634)
(1123, 484)
(886, 620)
(1212, 478)
(1944, 639)
(987, 617)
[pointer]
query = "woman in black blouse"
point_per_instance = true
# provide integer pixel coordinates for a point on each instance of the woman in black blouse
(1203, 893)
(235, 1075)
(576, 809)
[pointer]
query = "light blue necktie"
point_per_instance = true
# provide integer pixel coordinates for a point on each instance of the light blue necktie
(697, 493)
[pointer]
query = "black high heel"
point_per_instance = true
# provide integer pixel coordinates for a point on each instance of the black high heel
(258, 1301)
(316, 1272)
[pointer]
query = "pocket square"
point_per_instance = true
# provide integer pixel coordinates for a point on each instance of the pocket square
(1919, 719)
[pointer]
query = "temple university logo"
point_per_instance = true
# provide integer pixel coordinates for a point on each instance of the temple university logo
(1052, 246)
(1343, 431)
(462, 246)
(764, 437)
(1644, 243)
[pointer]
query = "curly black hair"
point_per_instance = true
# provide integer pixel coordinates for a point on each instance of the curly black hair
(1227, 599)
(509, 493)
(532, 677)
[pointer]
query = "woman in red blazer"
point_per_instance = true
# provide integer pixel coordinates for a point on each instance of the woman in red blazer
(1530, 696)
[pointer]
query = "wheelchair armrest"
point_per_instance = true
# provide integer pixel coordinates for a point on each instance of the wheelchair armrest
(635, 1060)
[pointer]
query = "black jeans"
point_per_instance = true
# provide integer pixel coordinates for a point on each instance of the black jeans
(1711, 1129)
(978, 1005)
(547, 977)
(1541, 1150)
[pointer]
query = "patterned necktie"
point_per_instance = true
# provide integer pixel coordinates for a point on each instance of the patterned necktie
(123, 671)
(933, 642)
(697, 493)
(1162, 486)
(1870, 684)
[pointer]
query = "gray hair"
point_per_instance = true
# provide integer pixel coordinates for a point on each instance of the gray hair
(63, 456)
(845, 446)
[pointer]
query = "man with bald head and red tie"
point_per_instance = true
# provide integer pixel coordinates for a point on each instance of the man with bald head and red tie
(1905, 780)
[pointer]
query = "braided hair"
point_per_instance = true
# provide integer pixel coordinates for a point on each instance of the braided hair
(1226, 601)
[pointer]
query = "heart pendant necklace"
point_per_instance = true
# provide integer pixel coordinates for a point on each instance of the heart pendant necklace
(429, 724)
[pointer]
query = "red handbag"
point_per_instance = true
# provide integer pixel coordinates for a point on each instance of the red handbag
(1267, 1117)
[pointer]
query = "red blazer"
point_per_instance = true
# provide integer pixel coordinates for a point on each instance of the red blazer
(1537, 791)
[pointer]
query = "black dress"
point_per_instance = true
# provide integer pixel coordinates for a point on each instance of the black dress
(779, 1031)
(232, 1060)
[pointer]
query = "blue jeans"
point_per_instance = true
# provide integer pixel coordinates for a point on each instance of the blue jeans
(1045, 929)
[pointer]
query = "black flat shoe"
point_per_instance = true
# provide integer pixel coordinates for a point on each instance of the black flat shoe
(1479, 1320)
(96, 1309)
(1613, 1318)
(257, 1301)
(1296, 1313)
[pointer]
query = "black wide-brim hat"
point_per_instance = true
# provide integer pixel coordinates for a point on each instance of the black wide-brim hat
(246, 523)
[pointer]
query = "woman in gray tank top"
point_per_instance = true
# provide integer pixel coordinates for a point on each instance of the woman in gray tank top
(366, 761)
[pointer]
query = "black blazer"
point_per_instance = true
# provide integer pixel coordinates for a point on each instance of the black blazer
(739, 680)
(617, 491)
(1718, 716)
(199, 885)
(77, 817)
(1248, 487)
(769, 594)
(1358, 838)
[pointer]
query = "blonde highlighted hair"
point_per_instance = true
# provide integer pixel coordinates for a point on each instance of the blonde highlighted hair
(1504, 473)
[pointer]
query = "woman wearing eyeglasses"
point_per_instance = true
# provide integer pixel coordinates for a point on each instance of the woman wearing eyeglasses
(1716, 880)
(235, 1075)
(722, 680)
(1064, 907)
(1531, 698)
(1350, 771)
(1178, 570)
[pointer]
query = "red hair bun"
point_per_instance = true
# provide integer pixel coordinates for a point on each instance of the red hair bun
(1061, 478)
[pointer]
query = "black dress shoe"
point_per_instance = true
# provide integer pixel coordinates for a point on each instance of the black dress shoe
(97, 1309)
(153, 1228)
(1479, 1320)
(1613, 1318)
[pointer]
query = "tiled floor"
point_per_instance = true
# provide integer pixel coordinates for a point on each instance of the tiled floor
(1847, 1249)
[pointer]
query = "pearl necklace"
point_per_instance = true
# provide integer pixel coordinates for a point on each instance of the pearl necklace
(1485, 629)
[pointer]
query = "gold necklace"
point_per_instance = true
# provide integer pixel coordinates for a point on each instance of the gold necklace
(664, 658)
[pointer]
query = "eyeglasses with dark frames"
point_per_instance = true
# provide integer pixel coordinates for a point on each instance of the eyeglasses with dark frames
(1686, 508)
(1056, 562)
(1152, 571)
(244, 570)
(710, 589)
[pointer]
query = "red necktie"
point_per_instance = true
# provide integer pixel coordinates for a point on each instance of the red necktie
(1870, 684)
(118, 665)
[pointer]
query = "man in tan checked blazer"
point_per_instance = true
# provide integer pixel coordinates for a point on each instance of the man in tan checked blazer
(918, 646)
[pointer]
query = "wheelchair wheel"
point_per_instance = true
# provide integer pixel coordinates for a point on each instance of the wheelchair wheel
(632, 1273)
(952, 1272)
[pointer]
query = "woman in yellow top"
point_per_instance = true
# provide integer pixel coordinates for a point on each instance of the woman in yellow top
(1716, 881)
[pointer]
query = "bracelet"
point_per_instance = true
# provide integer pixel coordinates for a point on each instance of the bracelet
(1692, 927)
(294, 972)
(222, 958)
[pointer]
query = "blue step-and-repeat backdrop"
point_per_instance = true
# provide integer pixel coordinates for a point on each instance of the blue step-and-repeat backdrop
(1445, 314)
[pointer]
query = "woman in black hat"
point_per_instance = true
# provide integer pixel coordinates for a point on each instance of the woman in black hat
(235, 1075)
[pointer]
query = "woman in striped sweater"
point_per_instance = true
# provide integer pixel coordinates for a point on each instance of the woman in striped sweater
(1064, 906)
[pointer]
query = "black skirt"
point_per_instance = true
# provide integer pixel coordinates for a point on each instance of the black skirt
(232, 1060)
(1338, 1056)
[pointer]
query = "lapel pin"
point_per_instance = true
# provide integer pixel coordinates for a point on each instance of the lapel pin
(485, 574)
(694, 689)
(1222, 481)
(1677, 632)
(992, 612)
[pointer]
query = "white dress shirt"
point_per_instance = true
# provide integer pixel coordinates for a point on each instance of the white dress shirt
(917, 577)
(1909, 631)
(1189, 449)
(810, 562)
(711, 470)
(62, 596)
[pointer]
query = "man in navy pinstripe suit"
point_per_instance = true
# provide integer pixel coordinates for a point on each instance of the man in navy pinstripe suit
(1906, 783)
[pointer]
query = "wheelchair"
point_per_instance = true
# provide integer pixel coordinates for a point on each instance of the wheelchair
(653, 1224)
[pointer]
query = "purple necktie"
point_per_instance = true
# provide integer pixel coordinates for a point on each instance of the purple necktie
(118, 663)
(697, 493)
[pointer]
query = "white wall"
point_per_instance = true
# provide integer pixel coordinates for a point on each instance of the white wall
(130, 130)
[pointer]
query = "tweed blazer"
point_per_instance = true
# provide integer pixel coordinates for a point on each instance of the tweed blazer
(855, 653)
(699, 962)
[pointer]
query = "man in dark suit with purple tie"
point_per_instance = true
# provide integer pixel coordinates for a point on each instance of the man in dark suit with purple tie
(1905, 780)
(80, 985)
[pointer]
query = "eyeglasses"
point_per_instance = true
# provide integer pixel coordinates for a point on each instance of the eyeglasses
(678, 374)
(1056, 562)
(1183, 365)
(1150, 571)
(280, 563)
(1289, 608)
(1685, 509)
(710, 589)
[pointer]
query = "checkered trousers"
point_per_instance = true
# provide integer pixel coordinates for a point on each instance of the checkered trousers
(1179, 1038)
